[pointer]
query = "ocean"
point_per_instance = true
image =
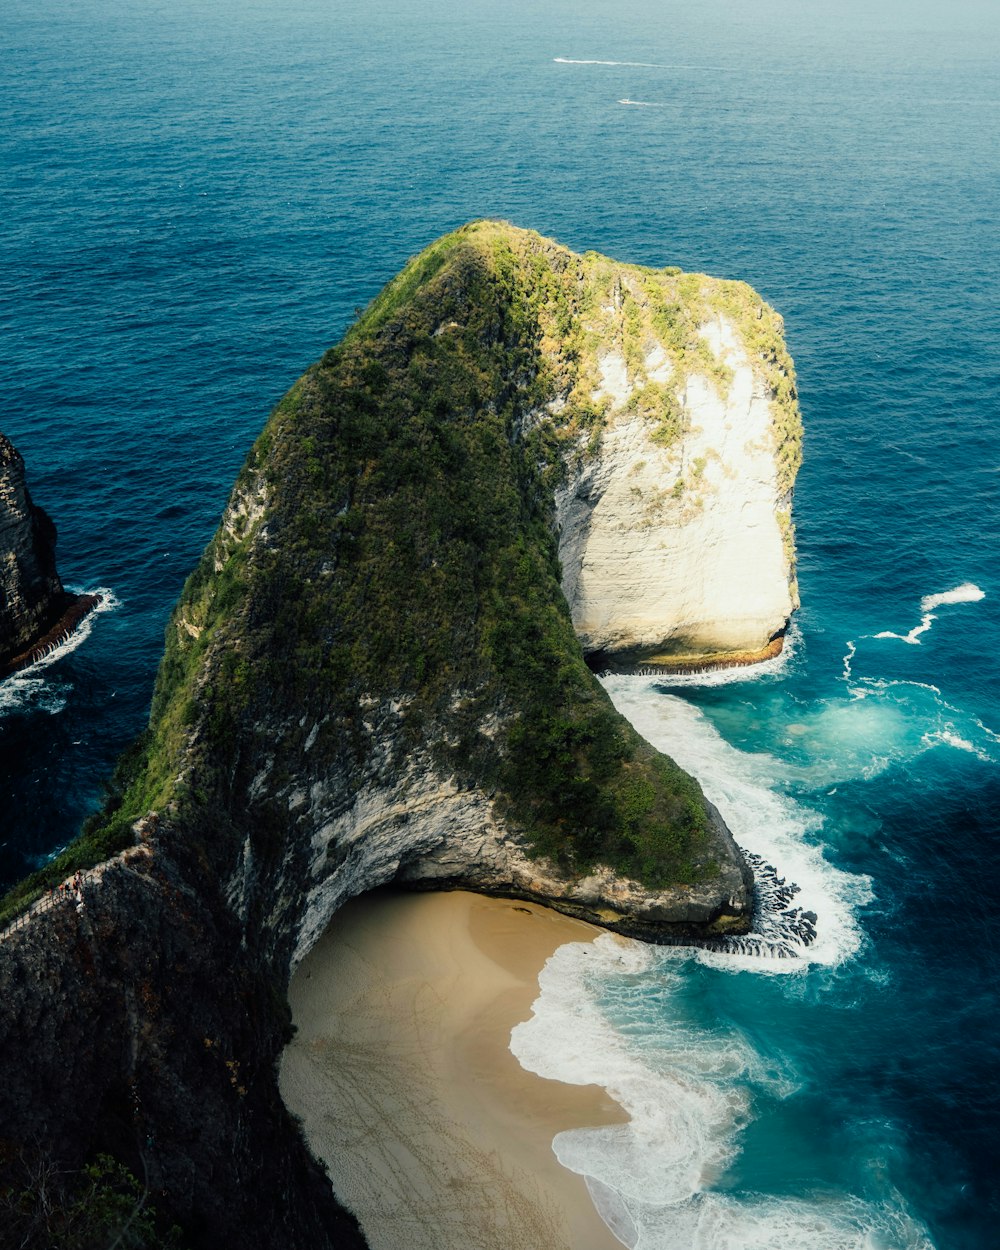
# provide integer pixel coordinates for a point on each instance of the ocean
(199, 197)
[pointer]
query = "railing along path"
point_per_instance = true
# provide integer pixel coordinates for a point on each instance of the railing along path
(67, 893)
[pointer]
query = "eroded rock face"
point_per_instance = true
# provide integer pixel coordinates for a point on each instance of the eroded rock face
(31, 594)
(681, 552)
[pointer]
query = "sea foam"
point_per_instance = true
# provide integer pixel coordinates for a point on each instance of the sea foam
(966, 593)
(769, 824)
(611, 1013)
(776, 666)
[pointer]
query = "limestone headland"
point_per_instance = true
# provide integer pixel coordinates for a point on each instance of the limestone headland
(517, 459)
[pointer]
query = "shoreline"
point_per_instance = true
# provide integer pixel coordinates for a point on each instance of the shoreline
(402, 1076)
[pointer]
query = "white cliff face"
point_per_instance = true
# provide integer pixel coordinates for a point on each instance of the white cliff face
(679, 550)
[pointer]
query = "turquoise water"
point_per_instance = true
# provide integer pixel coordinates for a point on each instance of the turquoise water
(196, 200)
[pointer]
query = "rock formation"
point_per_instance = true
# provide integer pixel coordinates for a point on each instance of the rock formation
(35, 611)
(373, 677)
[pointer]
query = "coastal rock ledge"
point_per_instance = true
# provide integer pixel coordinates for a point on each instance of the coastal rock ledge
(377, 675)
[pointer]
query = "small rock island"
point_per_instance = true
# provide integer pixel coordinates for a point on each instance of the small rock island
(36, 612)
(520, 465)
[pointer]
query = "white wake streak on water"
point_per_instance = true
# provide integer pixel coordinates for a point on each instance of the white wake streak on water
(966, 593)
(653, 104)
(28, 688)
(697, 69)
(643, 65)
(565, 60)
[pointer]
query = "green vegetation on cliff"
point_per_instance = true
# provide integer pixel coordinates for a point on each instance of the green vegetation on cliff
(411, 560)
(390, 553)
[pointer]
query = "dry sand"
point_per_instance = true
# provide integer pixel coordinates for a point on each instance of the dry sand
(433, 1133)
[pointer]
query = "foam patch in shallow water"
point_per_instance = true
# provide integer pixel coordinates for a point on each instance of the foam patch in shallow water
(614, 1013)
(22, 693)
(681, 1092)
(611, 1013)
(723, 1222)
(916, 717)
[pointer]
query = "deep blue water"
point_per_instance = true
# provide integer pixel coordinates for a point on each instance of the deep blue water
(197, 198)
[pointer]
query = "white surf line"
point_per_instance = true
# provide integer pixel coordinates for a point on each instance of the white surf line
(769, 824)
(107, 602)
(966, 593)
(689, 1090)
(773, 667)
(28, 686)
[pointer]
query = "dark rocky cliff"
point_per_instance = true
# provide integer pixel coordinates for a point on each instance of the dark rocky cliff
(371, 677)
(133, 1025)
(35, 611)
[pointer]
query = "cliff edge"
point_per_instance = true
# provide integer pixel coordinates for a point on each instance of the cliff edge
(375, 675)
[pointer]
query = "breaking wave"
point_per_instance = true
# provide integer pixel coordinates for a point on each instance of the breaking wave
(774, 667)
(29, 689)
(612, 1013)
(624, 1015)
(772, 826)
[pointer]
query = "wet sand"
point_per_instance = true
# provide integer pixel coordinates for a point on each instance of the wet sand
(433, 1133)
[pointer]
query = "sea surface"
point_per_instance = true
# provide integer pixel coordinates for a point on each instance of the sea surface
(197, 198)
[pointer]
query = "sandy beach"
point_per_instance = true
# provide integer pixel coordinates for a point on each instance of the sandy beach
(400, 1070)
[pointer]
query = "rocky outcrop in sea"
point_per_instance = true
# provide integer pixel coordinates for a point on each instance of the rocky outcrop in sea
(35, 611)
